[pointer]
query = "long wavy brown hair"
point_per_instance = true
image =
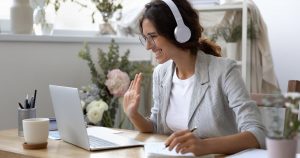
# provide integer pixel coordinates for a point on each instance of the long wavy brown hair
(163, 20)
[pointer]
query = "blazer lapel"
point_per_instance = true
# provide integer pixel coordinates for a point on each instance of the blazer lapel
(201, 83)
(166, 86)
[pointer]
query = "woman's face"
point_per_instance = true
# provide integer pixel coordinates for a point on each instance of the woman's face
(160, 46)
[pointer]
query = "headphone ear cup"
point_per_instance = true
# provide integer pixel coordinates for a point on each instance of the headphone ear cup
(182, 33)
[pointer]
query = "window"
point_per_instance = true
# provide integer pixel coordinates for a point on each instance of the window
(5, 8)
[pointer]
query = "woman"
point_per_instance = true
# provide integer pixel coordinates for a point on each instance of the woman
(193, 87)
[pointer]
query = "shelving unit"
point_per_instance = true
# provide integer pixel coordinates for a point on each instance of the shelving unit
(245, 58)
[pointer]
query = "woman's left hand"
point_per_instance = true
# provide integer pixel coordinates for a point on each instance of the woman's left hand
(185, 142)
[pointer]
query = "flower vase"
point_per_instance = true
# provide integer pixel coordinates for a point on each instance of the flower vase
(232, 50)
(106, 29)
(21, 17)
(279, 148)
(42, 19)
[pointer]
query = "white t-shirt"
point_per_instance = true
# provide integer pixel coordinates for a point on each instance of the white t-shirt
(180, 98)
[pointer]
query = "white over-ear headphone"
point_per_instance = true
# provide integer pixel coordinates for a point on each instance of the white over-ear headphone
(182, 32)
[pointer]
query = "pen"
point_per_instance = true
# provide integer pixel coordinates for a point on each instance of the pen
(20, 105)
(192, 130)
(34, 97)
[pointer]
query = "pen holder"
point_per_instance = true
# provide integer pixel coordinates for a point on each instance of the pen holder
(24, 114)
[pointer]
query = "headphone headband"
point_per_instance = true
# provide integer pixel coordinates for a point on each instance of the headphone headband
(182, 33)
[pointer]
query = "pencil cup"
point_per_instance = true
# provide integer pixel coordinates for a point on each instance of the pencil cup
(24, 114)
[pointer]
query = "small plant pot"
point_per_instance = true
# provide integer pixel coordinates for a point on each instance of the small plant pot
(281, 148)
(232, 50)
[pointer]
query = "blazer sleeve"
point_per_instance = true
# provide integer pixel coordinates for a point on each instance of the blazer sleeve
(155, 94)
(248, 117)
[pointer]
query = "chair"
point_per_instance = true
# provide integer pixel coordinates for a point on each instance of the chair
(293, 86)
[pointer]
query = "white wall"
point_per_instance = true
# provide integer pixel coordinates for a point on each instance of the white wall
(25, 66)
(282, 19)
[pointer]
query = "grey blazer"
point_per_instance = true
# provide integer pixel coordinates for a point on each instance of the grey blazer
(220, 105)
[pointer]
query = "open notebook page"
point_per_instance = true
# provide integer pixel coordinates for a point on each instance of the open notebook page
(157, 149)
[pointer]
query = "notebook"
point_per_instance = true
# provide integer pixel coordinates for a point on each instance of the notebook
(72, 127)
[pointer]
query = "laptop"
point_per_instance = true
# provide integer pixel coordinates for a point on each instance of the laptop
(72, 127)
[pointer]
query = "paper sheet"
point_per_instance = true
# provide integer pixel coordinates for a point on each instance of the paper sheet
(157, 149)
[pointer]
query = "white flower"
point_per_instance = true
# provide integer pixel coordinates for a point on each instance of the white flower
(95, 111)
(117, 82)
(97, 103)
(94, 115)
(293, 95)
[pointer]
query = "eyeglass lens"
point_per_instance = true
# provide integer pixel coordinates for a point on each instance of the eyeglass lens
(145, 39)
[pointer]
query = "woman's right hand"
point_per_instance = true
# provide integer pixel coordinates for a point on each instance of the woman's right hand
(132, 96)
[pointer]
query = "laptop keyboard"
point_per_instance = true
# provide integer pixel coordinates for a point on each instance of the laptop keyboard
(98, 142)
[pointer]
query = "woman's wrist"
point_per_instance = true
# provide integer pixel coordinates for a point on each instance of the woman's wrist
(134, 115)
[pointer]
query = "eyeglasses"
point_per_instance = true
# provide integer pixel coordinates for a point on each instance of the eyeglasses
(145, 39)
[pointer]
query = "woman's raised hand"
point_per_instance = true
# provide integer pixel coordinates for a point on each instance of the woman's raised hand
(132, 96)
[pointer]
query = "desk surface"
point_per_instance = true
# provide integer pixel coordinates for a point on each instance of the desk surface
(11, 146)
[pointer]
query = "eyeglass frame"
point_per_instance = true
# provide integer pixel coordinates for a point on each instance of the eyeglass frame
(148, 38)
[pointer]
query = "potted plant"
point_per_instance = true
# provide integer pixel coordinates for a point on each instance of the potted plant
(107, 8)
(283, 143)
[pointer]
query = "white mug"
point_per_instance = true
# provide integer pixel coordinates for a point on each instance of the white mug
(36, 130)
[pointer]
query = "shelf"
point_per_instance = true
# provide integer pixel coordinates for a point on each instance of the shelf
(66, 38)
(220, 8)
